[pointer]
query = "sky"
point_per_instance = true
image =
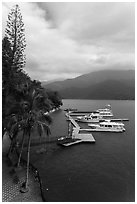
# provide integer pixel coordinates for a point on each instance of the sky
(66, 39)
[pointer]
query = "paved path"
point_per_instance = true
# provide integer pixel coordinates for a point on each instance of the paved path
(12, 179)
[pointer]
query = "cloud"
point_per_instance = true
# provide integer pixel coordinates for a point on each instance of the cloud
(89, 21)
(70, 39)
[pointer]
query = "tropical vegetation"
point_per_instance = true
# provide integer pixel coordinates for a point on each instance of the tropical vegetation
(25, 103)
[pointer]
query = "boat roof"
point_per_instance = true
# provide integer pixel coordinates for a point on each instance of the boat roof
(111, 123)
(92, 114)
(96, 111)
(104, 109)
(107, 107)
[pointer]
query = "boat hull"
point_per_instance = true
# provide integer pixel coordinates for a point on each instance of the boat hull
(106, 130)
(88, 121)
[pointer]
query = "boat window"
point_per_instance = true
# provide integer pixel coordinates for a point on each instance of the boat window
(93, 127)
(109, 126)
(94, 116)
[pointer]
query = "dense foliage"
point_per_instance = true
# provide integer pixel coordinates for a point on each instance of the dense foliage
(14, 79)
(24, 101)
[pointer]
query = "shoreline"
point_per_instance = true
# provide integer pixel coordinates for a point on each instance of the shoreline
(34, 174)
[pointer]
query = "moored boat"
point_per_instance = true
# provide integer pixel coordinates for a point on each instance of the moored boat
(94, 117)
(107, 126)
(66, 140)
(105, 112)
(97, 115)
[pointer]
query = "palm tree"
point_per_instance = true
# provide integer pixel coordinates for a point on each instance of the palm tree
(13, 123)
(33, 118)
(12, 129)
(22, 145)
(27, 115)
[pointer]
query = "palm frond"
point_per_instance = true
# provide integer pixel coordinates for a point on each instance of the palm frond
(47, 118)
(45, 127)
(39, 128)
(14, 130)
(10, 121)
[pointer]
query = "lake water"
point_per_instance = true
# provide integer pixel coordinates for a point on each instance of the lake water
(100, 172)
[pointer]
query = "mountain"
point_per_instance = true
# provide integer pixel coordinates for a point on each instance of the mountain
(51, 81)
(114, 84)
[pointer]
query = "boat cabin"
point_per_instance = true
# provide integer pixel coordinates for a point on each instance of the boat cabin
(111, 125)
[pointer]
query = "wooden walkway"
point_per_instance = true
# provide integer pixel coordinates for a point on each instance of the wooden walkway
(75, 124)
(77, 135)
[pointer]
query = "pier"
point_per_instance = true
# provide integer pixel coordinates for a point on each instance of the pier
(76, 136)
(77, 114)
(81, 138)
(119, 119)
(74, 123)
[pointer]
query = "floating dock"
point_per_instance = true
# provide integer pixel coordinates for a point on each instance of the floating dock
(120, 119)
(104, 120)
(76, 135)
(82, 138)
(82, 112)
(75, 124)
(77, 114)
(94, 130)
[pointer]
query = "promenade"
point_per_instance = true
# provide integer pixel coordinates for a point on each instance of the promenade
(12, 178)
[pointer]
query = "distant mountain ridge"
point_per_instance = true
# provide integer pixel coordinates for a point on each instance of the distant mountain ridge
(114, 84)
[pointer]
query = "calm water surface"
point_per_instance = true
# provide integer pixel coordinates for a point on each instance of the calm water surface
(100, 172)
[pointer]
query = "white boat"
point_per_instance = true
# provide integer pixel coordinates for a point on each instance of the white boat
(105, 112)
(107, 126)
(97, 115)
(94, 117)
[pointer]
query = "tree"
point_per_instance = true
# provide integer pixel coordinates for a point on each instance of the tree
(27, 116)
(6, 58)
(15, 34)
(13, 47)
(55, 98)
(33, 117)
(24, 100)
(13, 60)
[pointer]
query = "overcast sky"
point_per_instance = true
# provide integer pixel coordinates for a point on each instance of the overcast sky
(65, 40)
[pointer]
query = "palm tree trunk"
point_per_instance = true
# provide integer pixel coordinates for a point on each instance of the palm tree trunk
(3, 131)
(10, 148)
(28, 157)
(48, 142)
(22, 144)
